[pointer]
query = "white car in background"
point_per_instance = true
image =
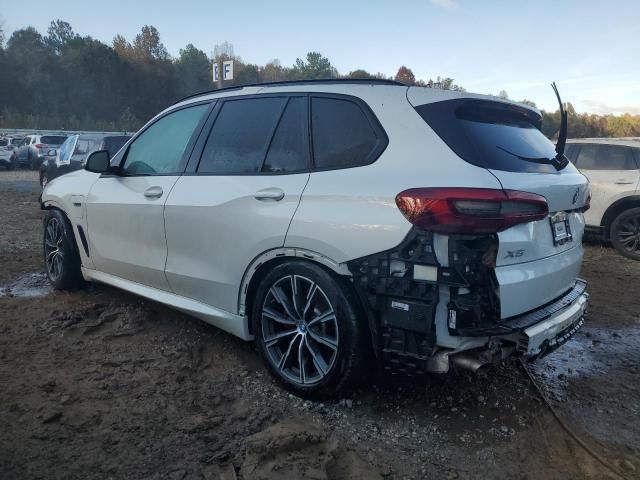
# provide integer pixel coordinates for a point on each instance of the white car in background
(339, 224)
(613, 169)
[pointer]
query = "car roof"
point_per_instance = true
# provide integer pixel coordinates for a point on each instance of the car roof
(625, 141)
(418, 95)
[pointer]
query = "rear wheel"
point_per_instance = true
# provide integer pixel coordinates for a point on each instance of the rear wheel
(61, 257)
(625, 233)
(308, 331)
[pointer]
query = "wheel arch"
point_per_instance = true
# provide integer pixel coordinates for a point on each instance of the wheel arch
(263, 263)
(616, 208)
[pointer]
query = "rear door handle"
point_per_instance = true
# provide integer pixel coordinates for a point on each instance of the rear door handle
(276, 194)
(153, 192)
(623, 182)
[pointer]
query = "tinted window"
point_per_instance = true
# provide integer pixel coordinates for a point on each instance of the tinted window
(491, 134)
(605, 157)
(571, 152)
(289, 150)
(4, 142)
(159, 149)
(113, 144)
(52, 139)
(241, 134)
(342, 134)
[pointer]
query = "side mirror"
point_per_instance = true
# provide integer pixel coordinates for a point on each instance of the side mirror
(98, 162)
(51, 153)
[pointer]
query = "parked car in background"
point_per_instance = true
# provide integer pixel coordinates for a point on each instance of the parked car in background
(338, 223)
(72, 154)
(613, 169)
(6, 154)
(35, 148)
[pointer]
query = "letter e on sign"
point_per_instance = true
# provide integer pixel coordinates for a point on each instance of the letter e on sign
(227, 70)
(216, 72)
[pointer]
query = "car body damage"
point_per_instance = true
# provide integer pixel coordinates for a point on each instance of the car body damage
(404, 288)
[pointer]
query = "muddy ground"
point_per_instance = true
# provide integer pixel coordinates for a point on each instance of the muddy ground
(99, 383)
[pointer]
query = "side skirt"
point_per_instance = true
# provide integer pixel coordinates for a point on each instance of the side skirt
(233, 324)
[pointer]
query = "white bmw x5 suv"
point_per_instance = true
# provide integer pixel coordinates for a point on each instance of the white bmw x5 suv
(342, 225)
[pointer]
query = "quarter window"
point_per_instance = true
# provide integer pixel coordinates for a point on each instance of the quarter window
(240, 136)
(160, 148)
(342, 134)
(605, 157)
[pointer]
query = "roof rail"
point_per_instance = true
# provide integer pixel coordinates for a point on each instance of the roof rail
(381, 81)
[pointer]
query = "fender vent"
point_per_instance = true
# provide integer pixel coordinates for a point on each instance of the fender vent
(83, 239)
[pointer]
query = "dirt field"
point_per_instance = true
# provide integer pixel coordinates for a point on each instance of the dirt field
(102, 384)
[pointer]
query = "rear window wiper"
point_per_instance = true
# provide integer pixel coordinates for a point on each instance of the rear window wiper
(559, 161)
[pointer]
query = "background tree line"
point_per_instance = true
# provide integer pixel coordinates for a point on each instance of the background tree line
(62, 80)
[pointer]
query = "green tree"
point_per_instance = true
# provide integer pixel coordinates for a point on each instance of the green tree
(361, 74)
(193, 71)
(315, 67)
(59, 35)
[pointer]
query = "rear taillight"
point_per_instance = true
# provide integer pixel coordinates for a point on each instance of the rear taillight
(39, 145)
(470, 210)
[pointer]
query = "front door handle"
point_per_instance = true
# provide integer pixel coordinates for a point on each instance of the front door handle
(276, 194)
(623, 182)
(153, 192)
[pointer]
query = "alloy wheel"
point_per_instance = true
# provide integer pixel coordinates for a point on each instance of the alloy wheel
(628, 234)
(299, 330)
(53, 251)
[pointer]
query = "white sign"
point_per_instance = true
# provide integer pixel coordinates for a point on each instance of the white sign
(227, 70)
(216, 72)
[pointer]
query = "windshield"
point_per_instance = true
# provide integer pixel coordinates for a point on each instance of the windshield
(52, 139)
(491, 134)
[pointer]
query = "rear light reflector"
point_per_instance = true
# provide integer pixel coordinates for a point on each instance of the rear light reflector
(470, 210)
(587, 205)
(39, 145)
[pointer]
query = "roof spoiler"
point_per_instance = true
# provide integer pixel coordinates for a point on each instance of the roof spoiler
(561, 161)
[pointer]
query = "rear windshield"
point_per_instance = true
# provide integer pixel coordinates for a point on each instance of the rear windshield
(491, 134)
(113, 144)
(52, 139)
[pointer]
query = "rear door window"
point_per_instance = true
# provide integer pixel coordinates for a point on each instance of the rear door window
(491, 134)
(289, 149)
(241, 136)
(605, 157)
(343, 136)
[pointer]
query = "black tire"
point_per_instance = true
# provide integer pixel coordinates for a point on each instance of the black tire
(325, 373)
(61, 257)
(10, 164)
(625, 233)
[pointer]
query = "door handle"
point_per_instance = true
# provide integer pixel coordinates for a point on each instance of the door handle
(276, 194)
(153, 192)
(623, 182)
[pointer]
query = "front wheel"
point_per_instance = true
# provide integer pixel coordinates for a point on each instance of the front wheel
(61, 257)
(308, 330)
(625, 233)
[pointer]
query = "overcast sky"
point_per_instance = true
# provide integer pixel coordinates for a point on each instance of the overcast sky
(591, 48)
